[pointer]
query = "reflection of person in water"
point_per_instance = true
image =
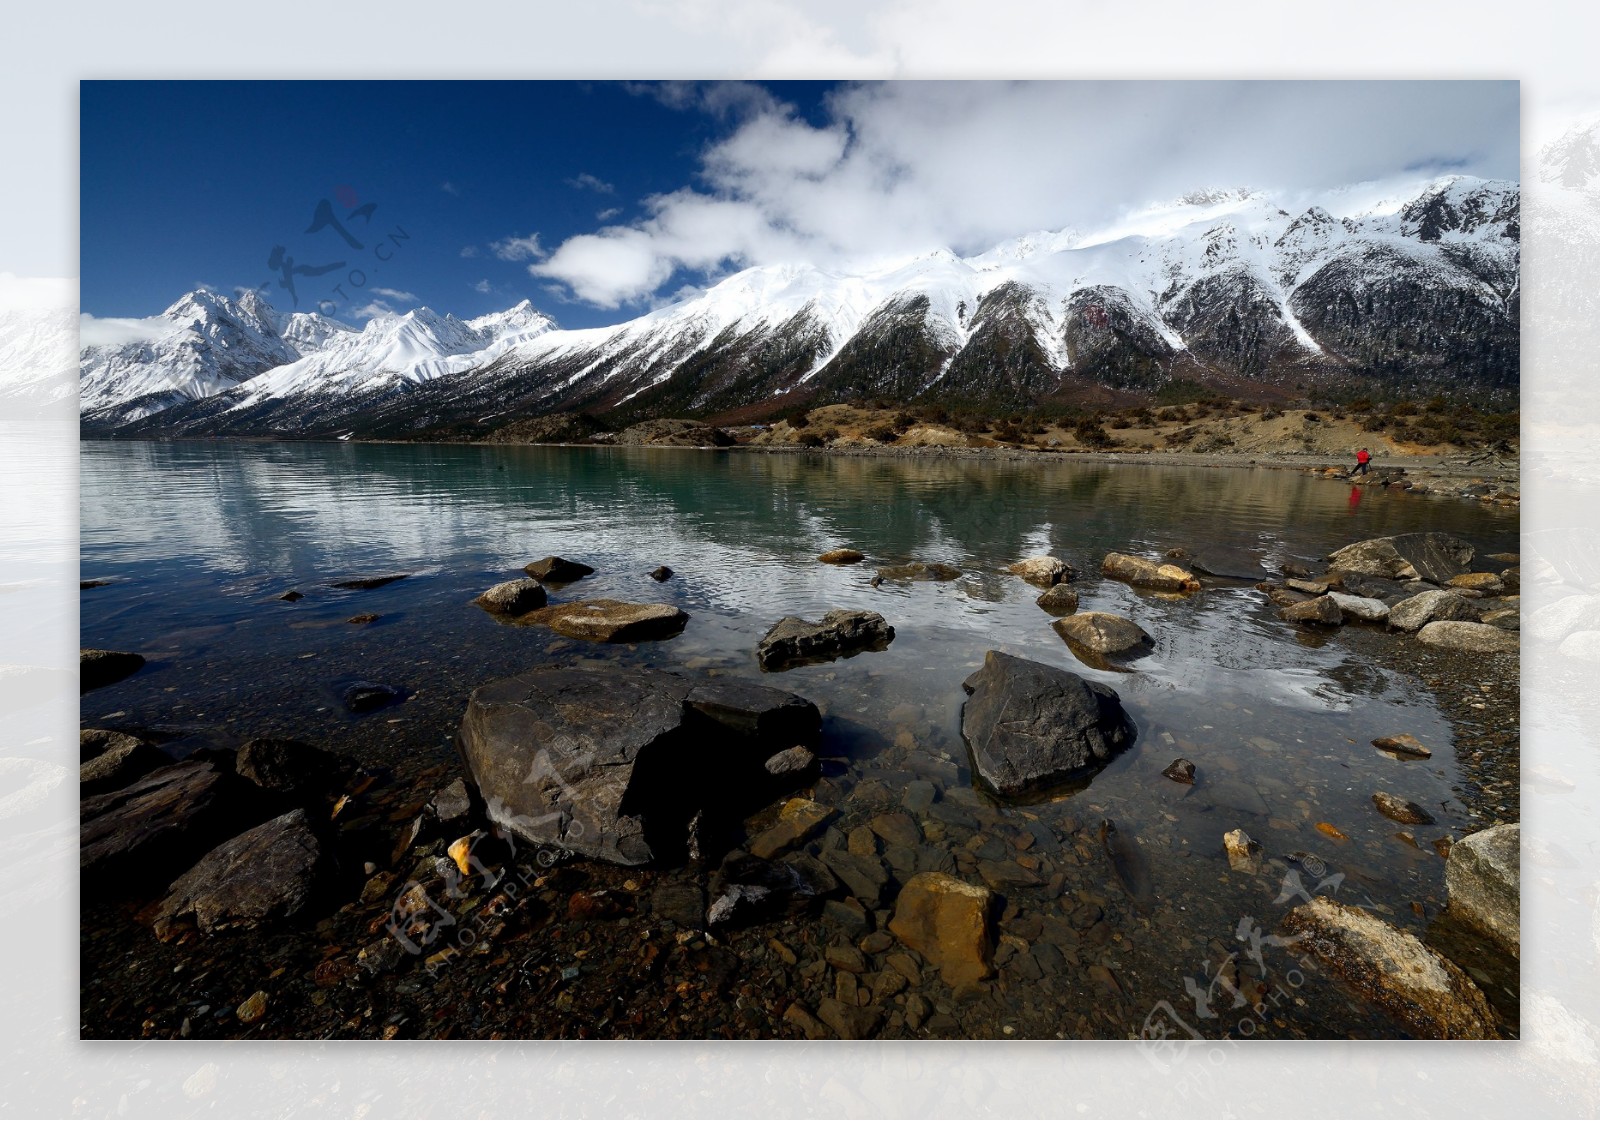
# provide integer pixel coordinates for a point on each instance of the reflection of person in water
(1363, 457)
(1355, 497)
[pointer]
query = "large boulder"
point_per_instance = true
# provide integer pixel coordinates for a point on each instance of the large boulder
(1474, 638)
(263, 874)
(286, 767)
(1031, 725)
(119, 766)
(1144, 573)
(1044, 571)
(1391, 969)
(1483, 878)
(152, 827)
(613, 762)
(97, 668)
(513, 597)
(795, 641)
(98, 741)
(611, 620)
(1568, 615)
(1364, 608)
(1432, 556)
(1104, 633)
(950, 923)
(1420, 610)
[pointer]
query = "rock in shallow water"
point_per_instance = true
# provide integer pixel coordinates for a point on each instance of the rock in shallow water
(948, 922)
(513, 597)
(918, 570)
(1043, 571)
(118, 766)
(263, 874)
(610, 620)
(1030, 725)
(1398, 809)
(557, 570)
(1323, 611)
(1148, 574)
(368, 696)
(1414, 613)
(1180, 770)
(1483, 877)
(1475, 638)
(1434, 557)
(795, 641)
(1105, 633)
(98, 668)
(1059, 600)
(842, 556)
(1363, 608)
(1393, 970)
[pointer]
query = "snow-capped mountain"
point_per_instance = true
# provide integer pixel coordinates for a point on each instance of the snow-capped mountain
(38, 343)
(1412, 291)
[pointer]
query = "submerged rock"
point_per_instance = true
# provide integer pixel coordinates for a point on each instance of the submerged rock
(842, 556)
(1180, 770)
(557, 570)
(1244, 852)
(97, 668)
(1230, 564)
(1418, 611)
(611, 620)
(1059, 600)
(1148, 574)
(366, 583)
(798, 822)
(795, 641)
(1398, 809)
(1432, 556)
(1043, 571)
(661, 575)
(918, 570)
(263, 874)
(1475, 638)
(368, 696)
(948, 922)
(1391, 969)
(1030, 725)
(513, 597)
(749, 889)
(1105, 633)
(773, 715)
(1403, 744)
(1483, 877)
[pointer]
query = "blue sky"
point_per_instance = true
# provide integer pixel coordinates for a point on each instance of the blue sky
(599, 200)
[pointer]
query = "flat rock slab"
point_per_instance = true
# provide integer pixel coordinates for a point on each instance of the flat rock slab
(610, 620)
(1046, 572)
(1362, 608)
(1421, 609)
(1483, 878)
(1432, 556)
(1144, 573)
(1030, 725)
(772, 714)
(154, 826)
(264, 874)
(97, 668)
(795, 641)
(1475, 638)
(1105, 633)
(918, 570)
(118, 766)
(557, 570)
(1391, 969)
(366, 583)
(950, 923)
(285, 766)
(513, 597)
(1230, 564)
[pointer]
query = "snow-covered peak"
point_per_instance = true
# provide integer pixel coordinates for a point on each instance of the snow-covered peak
(309, 332)
(519, 319)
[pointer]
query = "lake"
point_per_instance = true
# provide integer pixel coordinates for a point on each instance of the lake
(198, 541)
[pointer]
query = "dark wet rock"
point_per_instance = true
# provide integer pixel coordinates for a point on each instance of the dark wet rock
(681, 902)
(97, 741)
(369, 696)
(1101, 632)
(1431, 556)
(772, 714)
(798, 821)
(1323, 612)
(1483, 877)
(1046, 572)
(842, 556)
(949, 923)
(1180, 770)
(1059, 600)
(453, 804)
(846, 958)
(1128, 864)
(864, 876)
(896, 829)
(1228, 563)
(1403, 745)
(848, 915)
(1144, 573)
(800, 1016)
(362, 620)
(385, 955)
(792, 762)
(610, 620)
(291, 596)
(513, 597)
(285, 766)
(918, 570)
(749, 889)
(849, 1021)
(952, 815)
(85, 585)
(1030, 725)
(119, 765)
(1003, 875)
(264, 874)
(1398, 809)
(918, 796)
(557, 570)
(1387, 967)
(661, 574)
(1474, 638)
(151, 828)
(97, 668)
(795, 641)
(366, 583)
(1419, 610)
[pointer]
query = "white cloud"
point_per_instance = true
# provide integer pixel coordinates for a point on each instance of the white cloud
(586, 182)
(449, 188)
(899, 168)
(517, 248)
(395, 294)
(35, 292)
(94, 331)
(483, 286)
(469, 250)
(607, 214)
(377, 309)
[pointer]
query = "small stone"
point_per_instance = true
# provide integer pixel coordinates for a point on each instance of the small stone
(1328, 829)
(1046, 572)
(661, 575)
(1059, 600)
(557, 570)
(947, 921)
(790, 761)
(848, 1022)
(1244, 853)
(842, 556)
(1403, 745)
(785, 954)
(847, 958)
(876, 942)
(797, 822)
(798, 1015)
(917, 796)
(1323, 611)
(253, 1008)
(1398, 809)
(1180, 770)
(362, 620)
(896, 829)
(513, 597)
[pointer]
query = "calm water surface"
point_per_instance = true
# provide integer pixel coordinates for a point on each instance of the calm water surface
(199, 539)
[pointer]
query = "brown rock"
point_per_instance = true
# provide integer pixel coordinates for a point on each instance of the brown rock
(557, 570)
(797, 822)
(1104, 633)
(610, 620)
(1403, 745)
(1148, 574)
(947, 921)
(1059, 600)
(842, 556)
(253, 1008)
(1398, 809)
(513, 597)
(1046, 572)
(1180, 770)
(1323, 611)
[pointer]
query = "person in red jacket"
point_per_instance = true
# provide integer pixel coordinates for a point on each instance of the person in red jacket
(1363, 457)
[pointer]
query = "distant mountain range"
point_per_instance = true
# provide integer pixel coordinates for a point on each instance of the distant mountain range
(1400, 296)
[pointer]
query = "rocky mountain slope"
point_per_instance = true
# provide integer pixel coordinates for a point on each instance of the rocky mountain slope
(1409, 294)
